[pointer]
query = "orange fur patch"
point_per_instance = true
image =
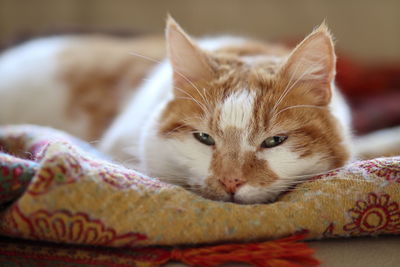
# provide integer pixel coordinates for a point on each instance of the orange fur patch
(101, 75)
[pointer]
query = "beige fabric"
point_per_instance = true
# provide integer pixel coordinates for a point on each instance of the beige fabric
(381, 251)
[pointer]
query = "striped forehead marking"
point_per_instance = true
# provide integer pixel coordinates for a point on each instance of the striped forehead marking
(237, 110)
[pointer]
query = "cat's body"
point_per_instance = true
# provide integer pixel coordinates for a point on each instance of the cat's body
(73, 83)
(264, 117)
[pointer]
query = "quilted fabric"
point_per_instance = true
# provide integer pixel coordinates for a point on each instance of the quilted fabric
(77, 197)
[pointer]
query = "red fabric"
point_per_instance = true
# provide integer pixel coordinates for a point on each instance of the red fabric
(373, 93)
(288, 252)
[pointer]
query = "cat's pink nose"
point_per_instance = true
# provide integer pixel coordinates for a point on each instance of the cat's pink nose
(231, 185)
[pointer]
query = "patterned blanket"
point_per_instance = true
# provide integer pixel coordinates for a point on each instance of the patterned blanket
(56, 188)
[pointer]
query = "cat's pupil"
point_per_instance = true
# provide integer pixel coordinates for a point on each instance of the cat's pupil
(204, 138)
(273, 141)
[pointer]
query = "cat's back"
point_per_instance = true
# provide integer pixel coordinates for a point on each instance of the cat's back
(27, 78)
(74, 83)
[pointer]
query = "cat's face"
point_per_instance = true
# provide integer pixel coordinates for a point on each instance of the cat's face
(245, 127)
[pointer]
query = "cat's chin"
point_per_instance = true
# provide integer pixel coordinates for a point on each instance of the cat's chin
(245, 196)
(255, 195)
(243, 201)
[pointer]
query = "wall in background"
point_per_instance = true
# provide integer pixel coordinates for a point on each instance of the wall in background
(365, 29)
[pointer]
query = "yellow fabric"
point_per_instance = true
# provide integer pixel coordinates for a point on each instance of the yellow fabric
(76, 197)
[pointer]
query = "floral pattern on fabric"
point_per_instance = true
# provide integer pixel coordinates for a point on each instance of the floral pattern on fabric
(374, 215)
(71, 194)
(65, 227)
(125, 179)
(59, 171)
(15, 175)
(388, 169)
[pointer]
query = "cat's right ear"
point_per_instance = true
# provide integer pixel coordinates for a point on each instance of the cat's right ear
(189, 63)
(313, 62)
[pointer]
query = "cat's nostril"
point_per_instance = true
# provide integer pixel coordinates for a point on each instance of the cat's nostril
(231, 185)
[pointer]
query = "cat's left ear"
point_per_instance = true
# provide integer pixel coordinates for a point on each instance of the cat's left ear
(312, 65)
(188, 61)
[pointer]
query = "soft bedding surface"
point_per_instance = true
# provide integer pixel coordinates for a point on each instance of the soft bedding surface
(54, 188)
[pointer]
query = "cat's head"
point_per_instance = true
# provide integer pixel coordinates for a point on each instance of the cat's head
(245, 125)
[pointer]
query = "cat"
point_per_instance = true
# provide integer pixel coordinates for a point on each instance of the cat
(229, 118)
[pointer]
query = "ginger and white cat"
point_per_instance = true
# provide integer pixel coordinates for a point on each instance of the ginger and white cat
(229, 118)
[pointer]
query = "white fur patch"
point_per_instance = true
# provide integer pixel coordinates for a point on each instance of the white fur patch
(237, 110)
(178, 161)
(31, 90)
(290, 169)
(248, 194)
(286, 163)
(126, 135)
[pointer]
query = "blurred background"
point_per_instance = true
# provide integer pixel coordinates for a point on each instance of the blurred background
(366, 29)
(367, 34)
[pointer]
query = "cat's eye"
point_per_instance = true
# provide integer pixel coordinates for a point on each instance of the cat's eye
(204, 138)
(273, 141)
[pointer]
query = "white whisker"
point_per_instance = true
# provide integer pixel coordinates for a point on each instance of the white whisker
(177, 72)
(299, 106)
(290, 86)
(144, 57)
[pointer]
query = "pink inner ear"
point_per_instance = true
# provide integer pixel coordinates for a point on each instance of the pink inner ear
(188, 61)
(313, 63)
(322, 94)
